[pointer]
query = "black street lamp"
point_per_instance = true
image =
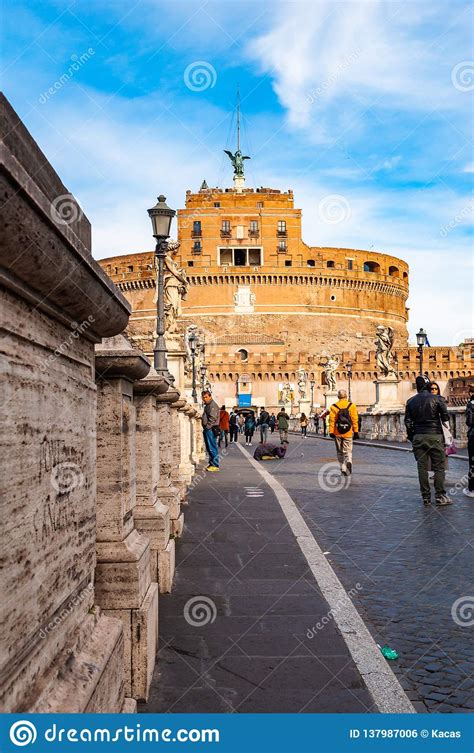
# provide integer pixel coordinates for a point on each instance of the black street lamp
(349, 377)
(311, 384)
(421, 340)
(161, 217)
(203, 376)
(194, 344)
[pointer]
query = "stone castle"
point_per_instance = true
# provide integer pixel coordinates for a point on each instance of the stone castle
(267, 304)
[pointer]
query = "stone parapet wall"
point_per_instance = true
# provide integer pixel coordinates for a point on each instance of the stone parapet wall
(94, 468)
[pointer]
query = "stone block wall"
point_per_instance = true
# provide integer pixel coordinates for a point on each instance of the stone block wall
(95, 460)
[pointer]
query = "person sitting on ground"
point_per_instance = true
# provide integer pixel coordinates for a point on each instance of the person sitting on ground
(343, 428)
(269, 451)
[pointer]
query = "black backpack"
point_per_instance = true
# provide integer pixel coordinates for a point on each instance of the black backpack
(343, 420)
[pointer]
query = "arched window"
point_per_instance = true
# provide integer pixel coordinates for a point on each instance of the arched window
(330, 264)
(371, 266)
(244, 354)
(311, 263)
(394, 271)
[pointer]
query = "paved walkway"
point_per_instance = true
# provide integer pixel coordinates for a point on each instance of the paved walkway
(252, 651)
(413, 562)
(243, 645)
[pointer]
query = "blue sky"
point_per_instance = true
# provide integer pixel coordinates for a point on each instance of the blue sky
(368, 102)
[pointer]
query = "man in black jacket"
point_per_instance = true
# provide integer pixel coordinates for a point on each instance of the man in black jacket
(424, 414)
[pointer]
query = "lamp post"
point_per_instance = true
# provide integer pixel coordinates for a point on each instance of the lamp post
(194, 343)
(311, 384)
(349, 377)
(161, 216)
(421, 340)
(203, 375)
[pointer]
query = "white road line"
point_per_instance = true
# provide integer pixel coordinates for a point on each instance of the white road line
(383, 685)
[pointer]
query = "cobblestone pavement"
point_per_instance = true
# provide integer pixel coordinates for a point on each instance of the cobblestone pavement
(413, 563)
(233, 633)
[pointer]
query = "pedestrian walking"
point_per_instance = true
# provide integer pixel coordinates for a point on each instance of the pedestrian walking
(263, 424)
(233, 427)
(224, 425)
(249, 426)
(316, 423)
(211, 430)
(425, 414)
(343, 428)
(303, 425)
(241, 422)
(469, 491)
(283, 421)
(324, 416)
(272, 422)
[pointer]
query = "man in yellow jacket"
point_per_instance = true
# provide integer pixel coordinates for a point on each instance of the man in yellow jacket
(343, 428)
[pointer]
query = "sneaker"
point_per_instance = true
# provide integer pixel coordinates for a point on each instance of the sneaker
(444, 500)
(468, 493)
(426, 500)
(212, 468)
(349, 467)
(344, 469)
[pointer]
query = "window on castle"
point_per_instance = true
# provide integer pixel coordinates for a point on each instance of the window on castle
(240, 257)
(197, 247)
(197, 227)
(282, 226)
(311, 263)
(225, 227)
(288, 263)
(394, 271)
(244, 354)
(226, 256)
(350, 264)
(253, 227)
(330, 264)
(259, 204)
(190, 264)
(371, 266)
(130, 268)
(217, 204)
(282, 245)
(255, 257)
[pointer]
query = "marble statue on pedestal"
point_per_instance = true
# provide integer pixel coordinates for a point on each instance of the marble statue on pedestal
(175, 288)
(329, 369)
(384, 345)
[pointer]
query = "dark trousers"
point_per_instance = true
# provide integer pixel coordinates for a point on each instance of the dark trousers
(430, 447)
(234, 433)
(211, 447)
(470, 452)
(224, 435)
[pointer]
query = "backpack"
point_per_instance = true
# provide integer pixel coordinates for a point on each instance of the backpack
(343, 420)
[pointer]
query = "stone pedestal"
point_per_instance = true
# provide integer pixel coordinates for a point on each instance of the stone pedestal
(305, 407)
(386, 395)
(124, 587)
(151, 515)
(329, 399)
